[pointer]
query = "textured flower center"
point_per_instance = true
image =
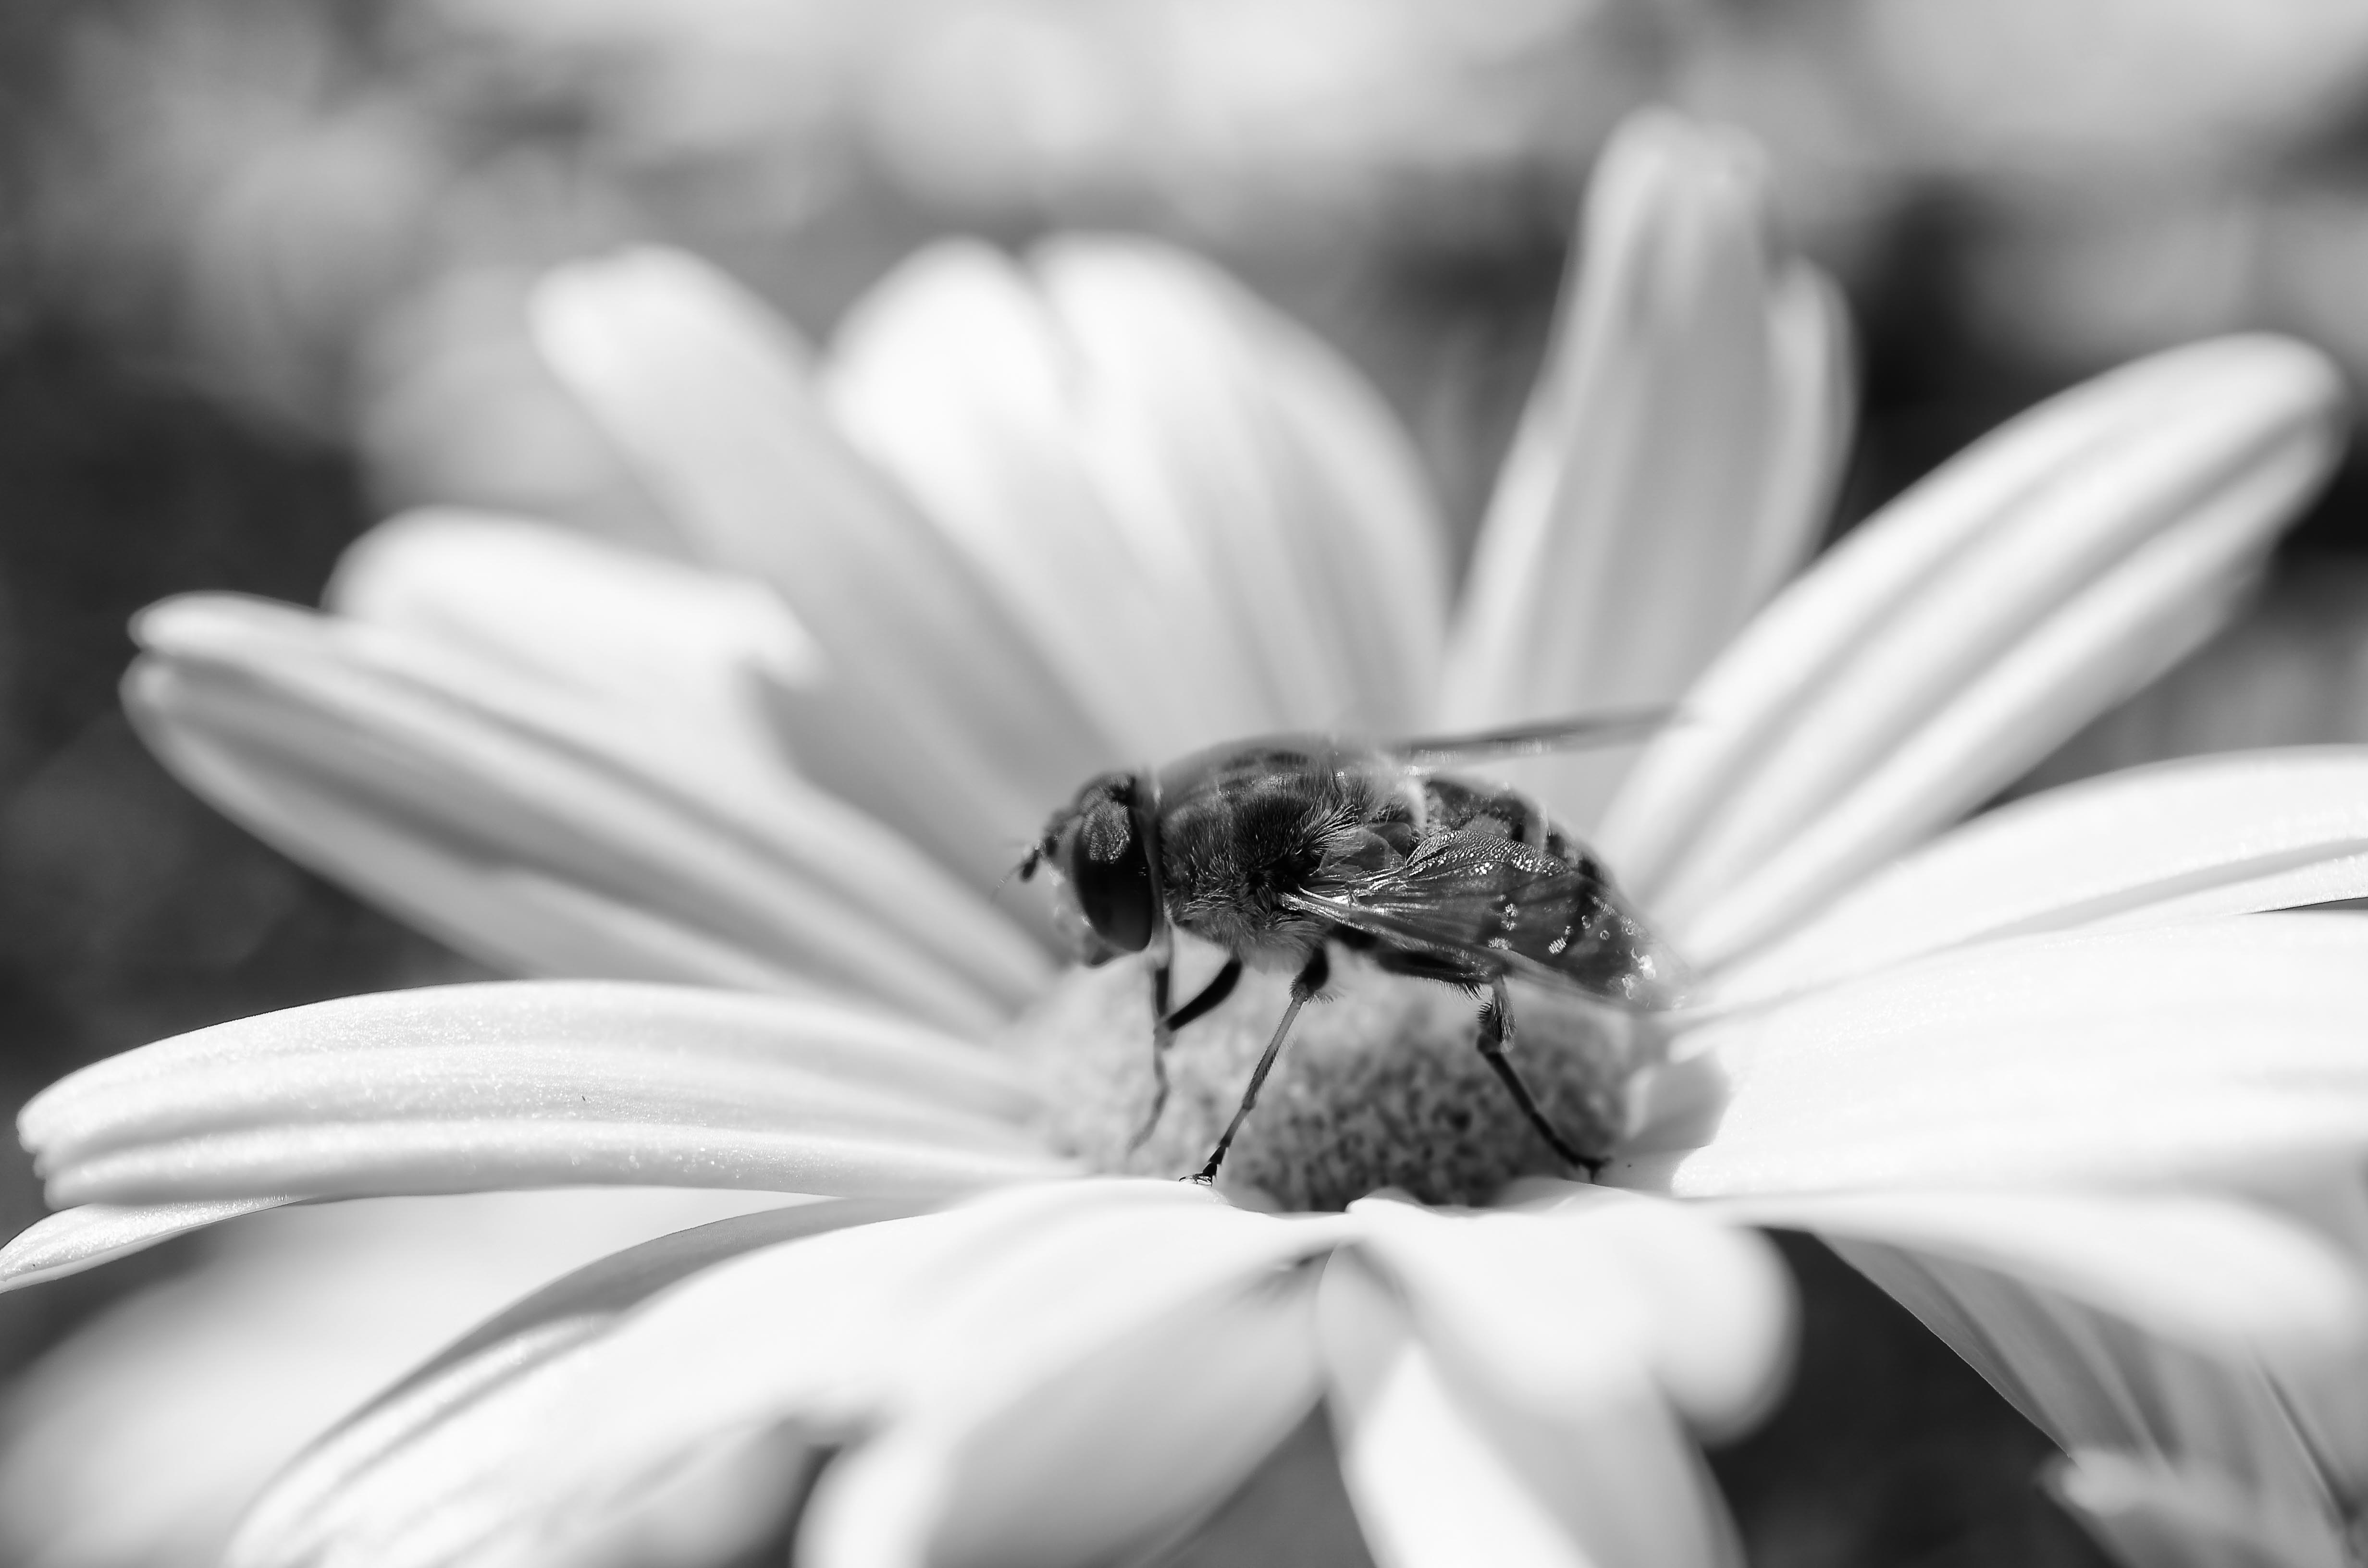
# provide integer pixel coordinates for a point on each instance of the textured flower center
(1380, 1084)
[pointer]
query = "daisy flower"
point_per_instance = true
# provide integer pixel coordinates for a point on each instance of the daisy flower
(1028, 524)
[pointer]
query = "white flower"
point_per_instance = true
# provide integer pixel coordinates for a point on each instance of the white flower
(1113, 509)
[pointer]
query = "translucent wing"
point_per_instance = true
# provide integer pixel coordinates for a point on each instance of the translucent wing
(1530, 740)
(1491, 903)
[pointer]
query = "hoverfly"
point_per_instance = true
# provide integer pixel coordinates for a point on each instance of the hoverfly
(1279, 847)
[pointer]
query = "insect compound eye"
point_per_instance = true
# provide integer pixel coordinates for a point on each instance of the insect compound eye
(1109, 868)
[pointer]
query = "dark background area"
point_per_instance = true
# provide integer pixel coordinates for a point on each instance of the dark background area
(138, 458)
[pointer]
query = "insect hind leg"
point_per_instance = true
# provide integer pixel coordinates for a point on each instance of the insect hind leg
(1495, 1044)
(1162, 1035)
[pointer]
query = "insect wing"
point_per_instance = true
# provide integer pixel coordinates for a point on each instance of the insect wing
(1574, 734)
(1502, 906)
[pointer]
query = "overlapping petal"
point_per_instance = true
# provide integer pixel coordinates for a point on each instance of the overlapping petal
(2206, 1050)
(1239, 436)
(482, 1367)
(1055, 1374)
(919, 1323)
(689, 649)
(1518, 1387)
(953, 375)
(1094, 1386)
(92, 1234)
(939, 709)
(457, 1088)
(1212, 528)
(1447, 1468)
(205, 1385)
(2183, 840)
(549, 835)
(2156, 1337)
(1948, 643)
(1676, 456)
(2159, 1515)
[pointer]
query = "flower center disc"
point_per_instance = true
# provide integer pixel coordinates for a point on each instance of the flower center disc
(1380, 1084)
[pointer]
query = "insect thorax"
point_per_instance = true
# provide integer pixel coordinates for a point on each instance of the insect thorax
(1233, 845)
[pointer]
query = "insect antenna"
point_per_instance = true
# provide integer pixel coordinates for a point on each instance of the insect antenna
(1030, 860)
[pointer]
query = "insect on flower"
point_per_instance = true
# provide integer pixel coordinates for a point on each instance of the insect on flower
(1277, 848)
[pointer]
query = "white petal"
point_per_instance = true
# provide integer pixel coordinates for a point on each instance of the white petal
(953, 375)
(2220, 1277)
(1949, 643)
(2153, 1516)
(1718, 1314)
(481, 1365)
(454, 1088)
(2183, 840)
(545, 832)
(97, 1233)
(814, 1332)
(1529, 1305)
(1442, 1473)
(1675, 460)
(619, 626)
(2208, 1049)
(2194, 1333)
(802, 1327)
(1260, 460)
(1126, 1442)
(938, 711)
(2288, 673)
(2167, 598)
(205, 1384)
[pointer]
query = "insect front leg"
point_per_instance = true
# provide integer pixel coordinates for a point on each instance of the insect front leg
(1162, 1035)
(1211, 996)
(1307, 983)
(1164, 1025)
(1495, 1043)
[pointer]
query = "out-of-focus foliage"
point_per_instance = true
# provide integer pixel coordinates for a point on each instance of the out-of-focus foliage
(330, 207)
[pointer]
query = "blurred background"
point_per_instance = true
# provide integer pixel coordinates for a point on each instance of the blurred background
(261, 264)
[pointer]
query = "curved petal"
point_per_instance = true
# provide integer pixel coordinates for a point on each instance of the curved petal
(953, 375)
(1445, 1469)
(478, 1367)
(1210, 522)
(100, 1232)
(812, 1314)
(939, 709)
(1070, 1425)
(664, 641)
(2209, 1050)
(1947, 644)
(2183, 840)
(140, 1439)
(455, 1088)
(2159, 1515)
(548, 835)
(833, 1334)
(1220, 427)
(2292, 671)
(1526, 1303)
(2144, 1333)
(1677, 458)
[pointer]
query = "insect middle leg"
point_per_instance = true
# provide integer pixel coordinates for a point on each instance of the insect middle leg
(1307, 983)
(1495, 1042)
(1164, 1025)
